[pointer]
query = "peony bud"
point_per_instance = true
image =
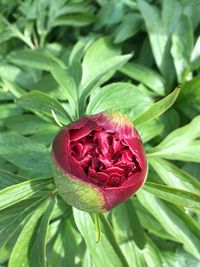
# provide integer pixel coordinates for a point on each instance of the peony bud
(98, 161)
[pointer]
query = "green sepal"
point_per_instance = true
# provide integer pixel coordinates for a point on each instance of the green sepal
(76, 193)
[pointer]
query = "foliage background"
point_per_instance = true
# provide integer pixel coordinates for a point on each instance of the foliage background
(61, 59)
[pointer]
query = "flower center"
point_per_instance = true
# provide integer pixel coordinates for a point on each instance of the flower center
(104, 157)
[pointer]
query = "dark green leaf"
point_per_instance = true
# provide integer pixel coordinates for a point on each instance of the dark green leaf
(35, 59)
(7, 178)
(182, 44)
(130, 25)
(25, 153)
(9, 110)
(27, 124)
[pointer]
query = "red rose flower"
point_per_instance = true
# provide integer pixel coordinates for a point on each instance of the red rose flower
(98, 161)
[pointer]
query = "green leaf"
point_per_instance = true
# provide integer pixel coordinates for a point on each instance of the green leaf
(36, 59)
(27, 124)
(135, 258)
(127, 225)
(150, 129)
(77, 20)
(40, 238)
(130, 25)
(9, 110)
(7, 178)
(96, 55)
(158, 36)
(116, 96)
(176, 196)
(153, 255)
(174, 220)
(100, 62)
(195, 57)
(63, 243)
(20, 253)
(16, 193)
(146, 76)
(189, 100)
(149, 223)
(66, 81)
(14, 217)
(108, 248)
(174, 176)
(171, 13)
(40, 102)
(181, 141)
(25, 153)
(94, 79)
(158, 108)
(182, 44)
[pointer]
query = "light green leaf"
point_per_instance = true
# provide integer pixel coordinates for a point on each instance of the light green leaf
(182, 44)
(94, 78)
(116, 96)
(135, 258)
(20, 253)
(67, 83)
(195, 57)
(96, 55)
(100, 62)
(59, 253)
(107, 247)
(158, 108)
(36, 59)
(177, 144)
(146, 76)
(150, 129)
(150, 223)
(174, 176)
(126, 225)
(39, 240)
(25, 153)
(40, 102)
(171, 13)
(14, 217)
(174, 220)
(153, 255)
(158, 36)
(16, 193)
(176, 196)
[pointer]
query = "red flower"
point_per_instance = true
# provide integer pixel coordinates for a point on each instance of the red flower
(98, 161)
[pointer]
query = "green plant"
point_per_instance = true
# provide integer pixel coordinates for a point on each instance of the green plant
(88, 57)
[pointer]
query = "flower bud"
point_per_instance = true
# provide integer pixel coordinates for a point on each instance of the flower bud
(98, 161)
